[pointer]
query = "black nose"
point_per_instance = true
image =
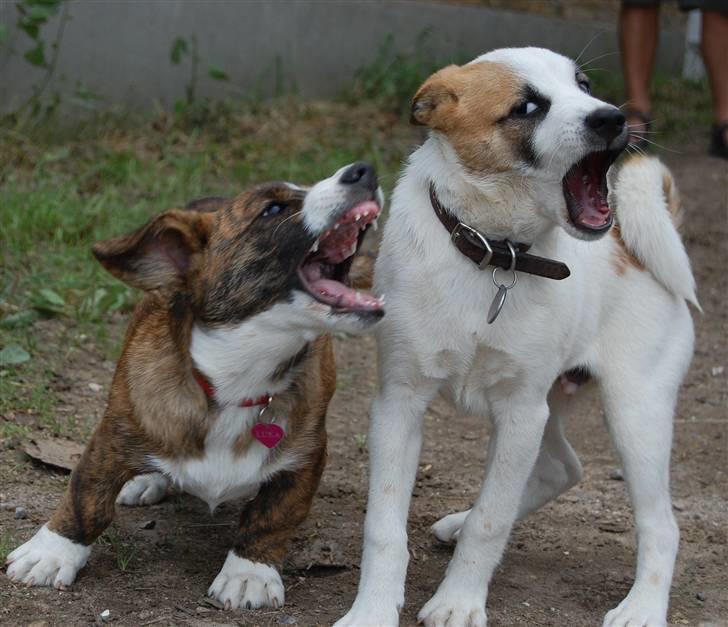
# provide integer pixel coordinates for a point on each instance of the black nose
(361, 174)
(607, 122)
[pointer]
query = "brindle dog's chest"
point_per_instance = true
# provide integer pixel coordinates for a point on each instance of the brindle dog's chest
(232, 465)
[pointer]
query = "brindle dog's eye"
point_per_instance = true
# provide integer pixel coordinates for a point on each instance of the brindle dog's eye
(274, 209)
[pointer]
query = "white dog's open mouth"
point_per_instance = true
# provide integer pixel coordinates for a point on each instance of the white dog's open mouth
(325, 271)
(585, 192)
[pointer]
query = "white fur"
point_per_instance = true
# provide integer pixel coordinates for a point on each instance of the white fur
(242, 583)
(632, 330)
(47, 559)
(146, 489)
(647, 228)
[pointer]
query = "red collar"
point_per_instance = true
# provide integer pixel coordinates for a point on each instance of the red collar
(209, 391)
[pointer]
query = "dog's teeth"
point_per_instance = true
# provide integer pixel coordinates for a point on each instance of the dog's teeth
(375, 224)
(336, 226)
(314, 248)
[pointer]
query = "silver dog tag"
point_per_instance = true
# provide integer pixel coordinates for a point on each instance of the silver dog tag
(497, 304)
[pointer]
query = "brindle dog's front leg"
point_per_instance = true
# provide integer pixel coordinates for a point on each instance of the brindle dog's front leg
(54, 555)
(249, 577)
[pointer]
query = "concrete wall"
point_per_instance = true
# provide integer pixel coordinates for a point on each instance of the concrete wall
(120, 48)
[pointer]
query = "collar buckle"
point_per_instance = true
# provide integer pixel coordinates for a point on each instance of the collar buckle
(464, 230)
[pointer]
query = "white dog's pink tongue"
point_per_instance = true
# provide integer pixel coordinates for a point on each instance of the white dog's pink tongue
(345, 297)
(584, 186)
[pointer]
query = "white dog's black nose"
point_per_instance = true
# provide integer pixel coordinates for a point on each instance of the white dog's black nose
(361, 174)
(607, 122)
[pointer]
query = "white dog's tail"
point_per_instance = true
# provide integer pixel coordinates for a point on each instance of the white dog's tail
(647, 207)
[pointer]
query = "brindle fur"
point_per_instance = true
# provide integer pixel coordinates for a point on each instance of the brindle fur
(214, 261)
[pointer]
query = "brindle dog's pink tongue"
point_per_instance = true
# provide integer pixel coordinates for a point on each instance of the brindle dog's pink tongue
(345, 296)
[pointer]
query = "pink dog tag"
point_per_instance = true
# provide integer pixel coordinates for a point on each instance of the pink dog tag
(268, 434)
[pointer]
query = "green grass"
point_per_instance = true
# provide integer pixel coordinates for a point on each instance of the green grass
(6, 545)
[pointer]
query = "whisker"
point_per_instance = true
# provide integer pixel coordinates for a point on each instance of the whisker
(654, 143)
(584, 49)
(601, 56)
(282, 222)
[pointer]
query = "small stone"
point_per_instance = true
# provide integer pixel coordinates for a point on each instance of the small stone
(20, 513)
(700, 596)
(105, 615)
(716, 371)
(94, 387)
(616, 475)
(286, 619)
(148, 524)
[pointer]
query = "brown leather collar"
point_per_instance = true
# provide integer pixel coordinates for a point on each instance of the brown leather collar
(483, 251)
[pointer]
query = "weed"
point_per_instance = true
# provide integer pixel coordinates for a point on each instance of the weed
(6, 546)
(393, 77)
(122, 548)
(360, 441)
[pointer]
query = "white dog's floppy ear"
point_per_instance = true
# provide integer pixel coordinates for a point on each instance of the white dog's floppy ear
(435, 99)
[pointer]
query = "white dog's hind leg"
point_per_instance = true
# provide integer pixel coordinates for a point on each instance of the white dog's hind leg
(395, 439)
(514, 446)
(146, 489)
(557, 469)
(639, 409)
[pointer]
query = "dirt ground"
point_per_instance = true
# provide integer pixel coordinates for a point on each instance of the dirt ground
(566, 565)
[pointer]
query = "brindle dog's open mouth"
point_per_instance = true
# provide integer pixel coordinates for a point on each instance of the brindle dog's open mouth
(325, 271)
(585, 192)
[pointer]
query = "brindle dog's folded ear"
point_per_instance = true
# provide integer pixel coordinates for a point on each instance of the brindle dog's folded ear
(159, 254)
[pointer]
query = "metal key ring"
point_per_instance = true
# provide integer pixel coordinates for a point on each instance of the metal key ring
(512, 268)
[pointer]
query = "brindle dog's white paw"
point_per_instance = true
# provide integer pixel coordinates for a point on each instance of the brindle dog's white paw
(246, 584)
(447, 529)
(47, 559)
(146, 489)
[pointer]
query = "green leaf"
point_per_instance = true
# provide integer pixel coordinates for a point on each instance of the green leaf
(179, 49)
(30, 28)
(52, 297)
(217, 74)
(3, 34)
(41, 12)
(19, 320)
(48, 301)
(13, 354)
(36, 56)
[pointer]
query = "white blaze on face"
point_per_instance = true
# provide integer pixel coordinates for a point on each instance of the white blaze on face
(323, 200)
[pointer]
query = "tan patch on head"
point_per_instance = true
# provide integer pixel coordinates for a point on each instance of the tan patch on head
(623, 258)
(469, 105)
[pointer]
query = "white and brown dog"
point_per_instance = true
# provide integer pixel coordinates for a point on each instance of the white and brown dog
(512, 177)
(225, 375)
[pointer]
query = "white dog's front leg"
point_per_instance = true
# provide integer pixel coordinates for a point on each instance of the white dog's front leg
(395, 439)
(512, 452)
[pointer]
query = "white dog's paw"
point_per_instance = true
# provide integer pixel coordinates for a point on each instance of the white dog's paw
(447, 529)
(47, 559)
(242, 583)
(447, 610)
(376, 616)
(634, 611)
(146, 489)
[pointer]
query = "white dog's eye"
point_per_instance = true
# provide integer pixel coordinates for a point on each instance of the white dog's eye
(527, 107)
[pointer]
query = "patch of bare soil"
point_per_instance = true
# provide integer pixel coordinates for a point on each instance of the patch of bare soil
(566, 565)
